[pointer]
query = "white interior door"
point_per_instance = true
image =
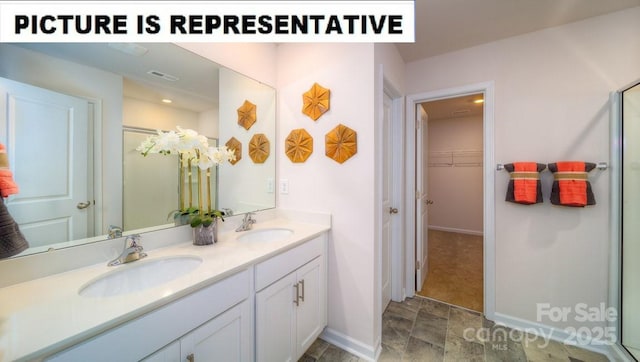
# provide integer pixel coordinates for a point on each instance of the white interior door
(422, 203)
(387, 207)
(54, 202)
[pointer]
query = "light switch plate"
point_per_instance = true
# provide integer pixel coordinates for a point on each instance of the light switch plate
(284, 186)
(270, 185)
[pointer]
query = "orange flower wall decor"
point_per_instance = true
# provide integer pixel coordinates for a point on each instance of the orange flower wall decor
(259, 148)
(315, 101)
(298, 145)
(341, 143)
(247, 114)
(236, 146)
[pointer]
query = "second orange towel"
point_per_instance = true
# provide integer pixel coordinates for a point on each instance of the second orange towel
(570, 184)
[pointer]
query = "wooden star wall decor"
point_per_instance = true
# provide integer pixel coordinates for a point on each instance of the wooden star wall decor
(315, 102)
(341, 143)
(298, 145)
(259, 148)
(247, 114)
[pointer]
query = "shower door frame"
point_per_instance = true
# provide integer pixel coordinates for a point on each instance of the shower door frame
(615, 255)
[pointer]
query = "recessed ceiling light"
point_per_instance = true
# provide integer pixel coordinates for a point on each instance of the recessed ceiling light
(479, 101)
(166, 100)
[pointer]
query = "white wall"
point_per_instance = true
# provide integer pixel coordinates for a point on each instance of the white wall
(551, 103)
(208, 123)
(255, 60)
(456, 190)
(80, 81)
(144, 114)
(321, 184)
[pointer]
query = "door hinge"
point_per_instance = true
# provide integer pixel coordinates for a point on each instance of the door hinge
(418, 196)
(417, 264)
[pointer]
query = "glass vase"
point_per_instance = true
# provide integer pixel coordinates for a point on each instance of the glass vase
(180, 219)
(205, 235)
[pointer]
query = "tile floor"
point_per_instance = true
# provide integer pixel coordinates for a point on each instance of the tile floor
(455, 269)
(422, 329)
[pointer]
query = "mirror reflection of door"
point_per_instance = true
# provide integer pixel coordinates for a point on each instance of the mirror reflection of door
(630, 313)
(55, 199)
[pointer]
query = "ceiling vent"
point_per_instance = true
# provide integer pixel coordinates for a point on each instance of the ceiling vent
(169, 77)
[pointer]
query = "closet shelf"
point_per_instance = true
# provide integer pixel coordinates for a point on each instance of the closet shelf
(460, 158)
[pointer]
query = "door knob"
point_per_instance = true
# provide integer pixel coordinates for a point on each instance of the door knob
(393, 210)
(83, 205)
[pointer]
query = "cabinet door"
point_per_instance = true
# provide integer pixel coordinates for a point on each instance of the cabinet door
(310, 313)
(170, 353)
(227, 337)
(275, 321)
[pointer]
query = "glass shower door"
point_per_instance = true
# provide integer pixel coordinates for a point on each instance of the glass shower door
(630, 250)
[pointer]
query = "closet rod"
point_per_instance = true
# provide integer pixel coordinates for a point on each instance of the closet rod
(600, 166)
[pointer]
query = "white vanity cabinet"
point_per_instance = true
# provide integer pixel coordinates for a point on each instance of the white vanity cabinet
(225, 338)
(268, 304)
(290, 302)
(213, 324)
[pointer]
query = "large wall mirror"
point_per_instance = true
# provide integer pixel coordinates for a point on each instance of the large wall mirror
(73, 114)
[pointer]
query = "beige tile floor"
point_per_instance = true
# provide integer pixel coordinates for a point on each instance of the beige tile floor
(426, 329)
(455, 269)
(422, 329)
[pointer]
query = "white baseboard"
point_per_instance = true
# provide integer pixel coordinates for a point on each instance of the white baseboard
(351, 345)
(555, 334)
(456, 230)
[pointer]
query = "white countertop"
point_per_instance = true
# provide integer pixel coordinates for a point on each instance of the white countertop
(47, 315)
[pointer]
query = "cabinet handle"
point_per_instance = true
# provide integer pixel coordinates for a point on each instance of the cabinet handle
(302, 296)
(191, 358)
(297, 286)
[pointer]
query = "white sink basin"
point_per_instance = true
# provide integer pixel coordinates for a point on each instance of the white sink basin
(265, 235)
(139, 275)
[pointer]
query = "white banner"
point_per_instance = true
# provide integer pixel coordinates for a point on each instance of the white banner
(207, 21)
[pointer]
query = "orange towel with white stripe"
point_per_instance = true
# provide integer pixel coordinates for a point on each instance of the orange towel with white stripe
(571, 186)
(7, 185)
(524, 186)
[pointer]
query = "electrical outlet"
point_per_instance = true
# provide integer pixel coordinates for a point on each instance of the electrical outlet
(270, 185)
(284, 186)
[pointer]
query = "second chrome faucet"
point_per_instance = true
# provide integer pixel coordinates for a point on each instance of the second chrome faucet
(132, 251)
(247, 222)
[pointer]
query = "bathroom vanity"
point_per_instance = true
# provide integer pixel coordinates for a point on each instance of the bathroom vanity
(257, 295)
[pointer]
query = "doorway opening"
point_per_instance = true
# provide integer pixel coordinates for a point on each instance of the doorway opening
(453, 171)
(417, 238)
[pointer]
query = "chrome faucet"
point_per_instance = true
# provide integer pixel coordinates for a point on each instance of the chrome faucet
(114, 232)
(247, 222)
(132, 251)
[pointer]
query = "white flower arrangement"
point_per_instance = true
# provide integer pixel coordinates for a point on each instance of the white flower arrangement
(192, 149)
